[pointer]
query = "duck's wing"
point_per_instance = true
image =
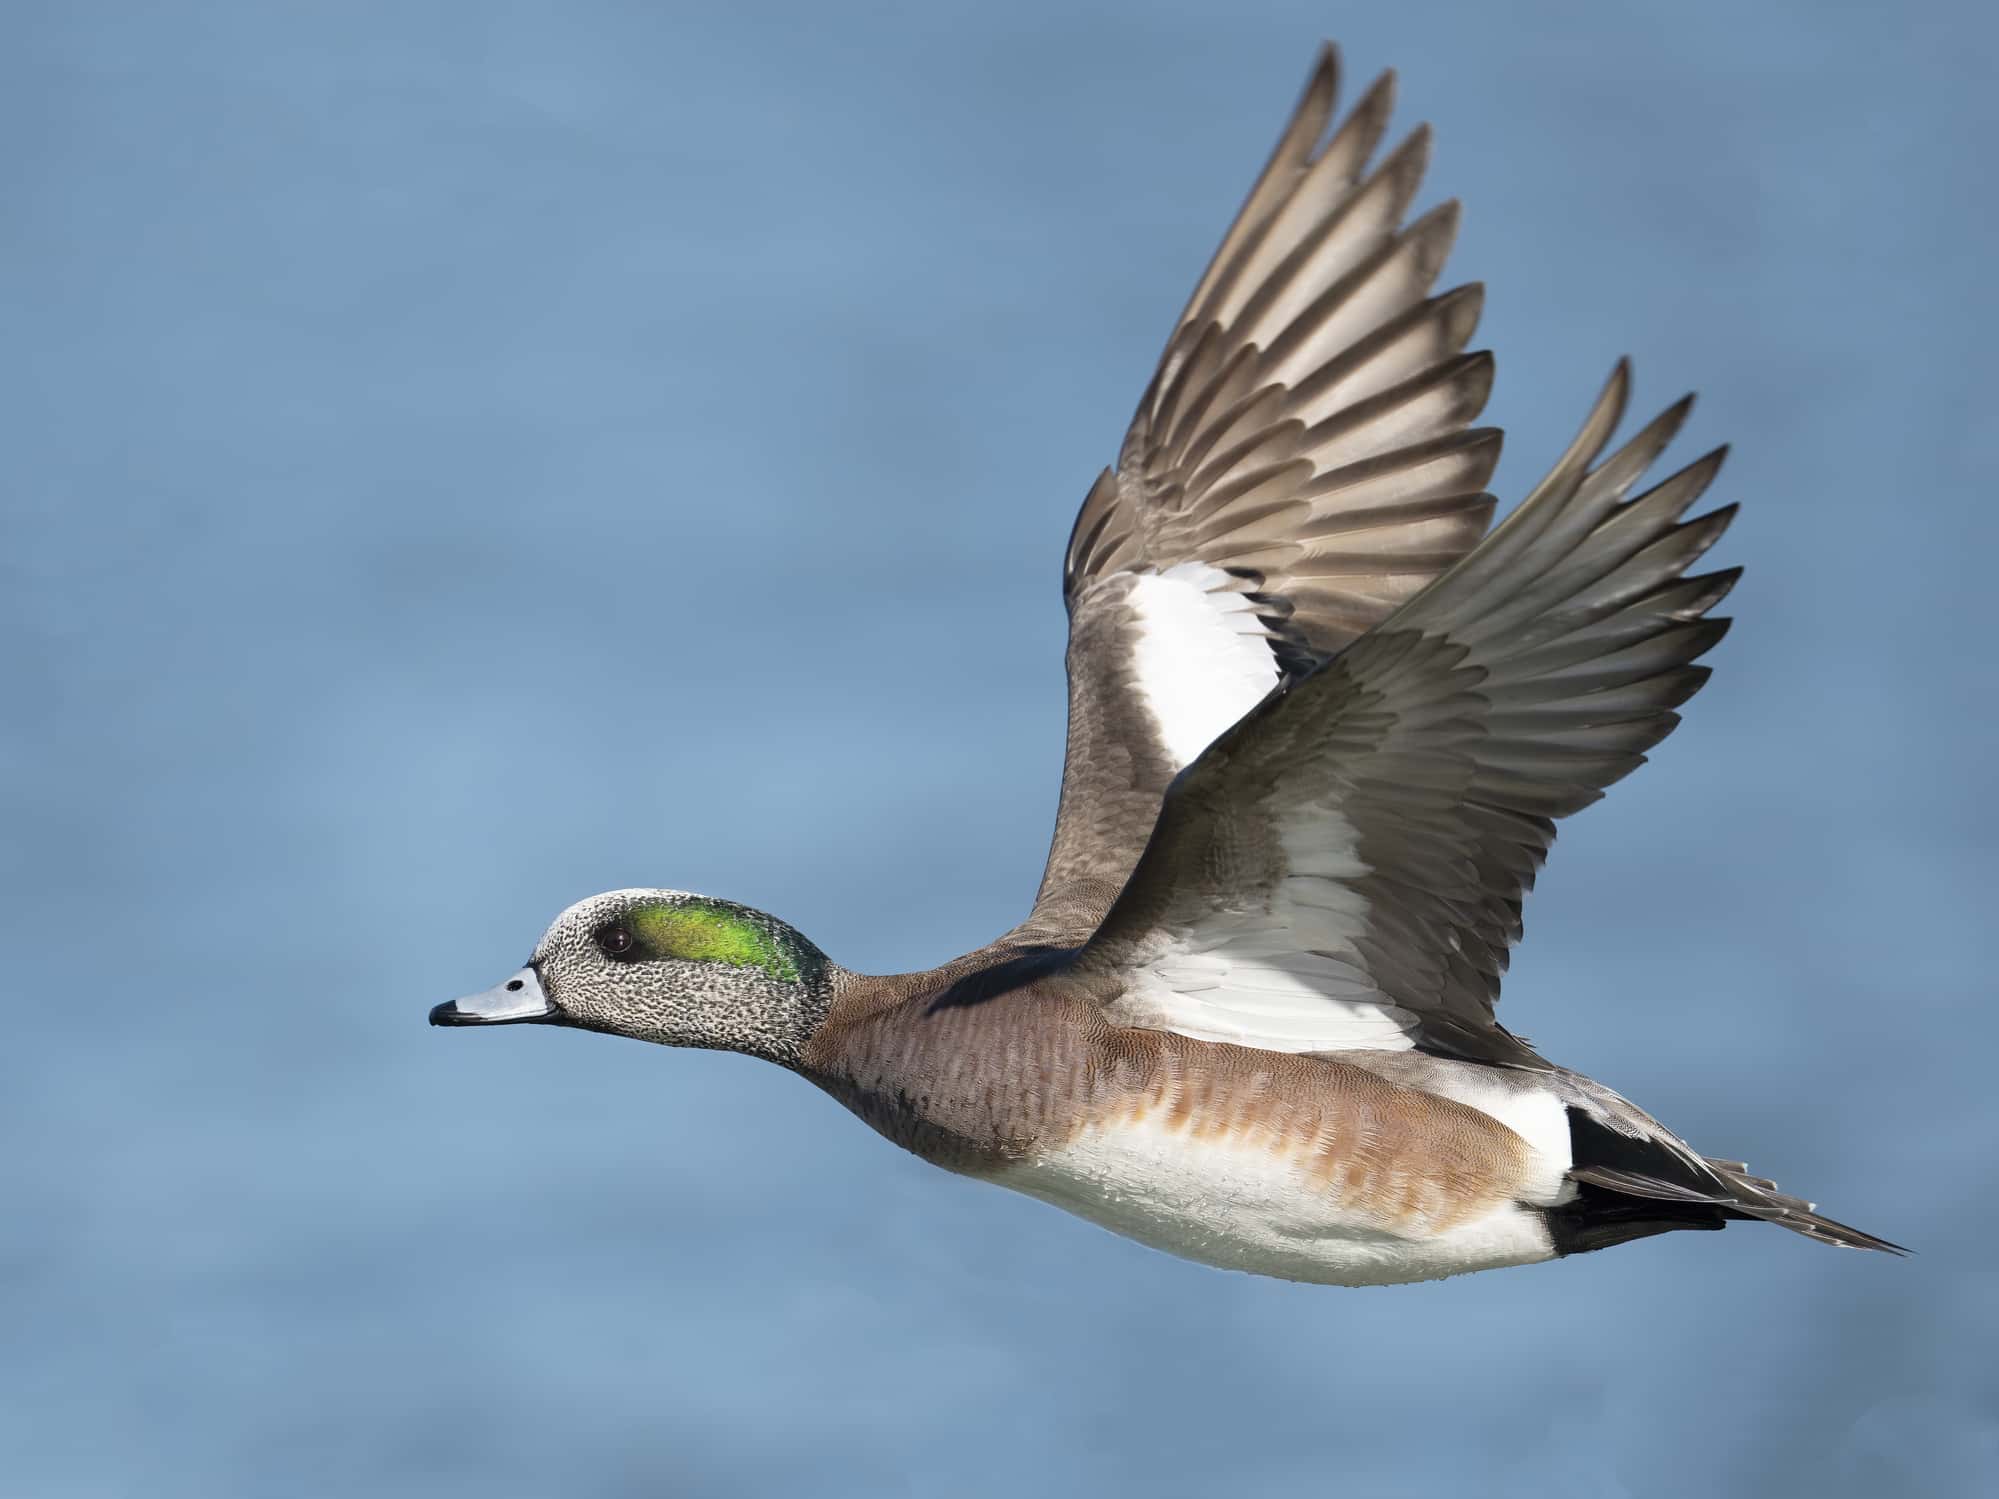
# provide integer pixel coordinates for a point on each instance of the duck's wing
(1299, 466)
(1344, 868)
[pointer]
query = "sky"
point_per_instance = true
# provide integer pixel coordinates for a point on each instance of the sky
(465, 456)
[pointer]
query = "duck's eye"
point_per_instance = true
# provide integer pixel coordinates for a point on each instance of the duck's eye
(615, 940)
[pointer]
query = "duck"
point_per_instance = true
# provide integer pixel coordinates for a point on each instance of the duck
(1323, 719)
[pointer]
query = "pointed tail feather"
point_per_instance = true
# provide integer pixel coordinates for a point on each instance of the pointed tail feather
(1758, 1197)
(1648, 1181)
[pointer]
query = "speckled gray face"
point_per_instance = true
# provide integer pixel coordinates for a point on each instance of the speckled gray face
(670, 967)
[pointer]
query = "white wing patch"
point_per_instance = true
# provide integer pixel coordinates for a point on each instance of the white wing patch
(1202, 656)
(1285, 978)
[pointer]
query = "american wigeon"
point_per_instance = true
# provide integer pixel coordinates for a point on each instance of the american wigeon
(1321, 726)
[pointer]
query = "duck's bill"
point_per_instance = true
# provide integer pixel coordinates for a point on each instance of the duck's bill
(517, 1001)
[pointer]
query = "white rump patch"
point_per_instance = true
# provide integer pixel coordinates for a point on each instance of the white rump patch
(1536, 1115)
(1202, 658)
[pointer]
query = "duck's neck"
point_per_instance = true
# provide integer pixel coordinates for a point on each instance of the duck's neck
(784, 1033)
(960, 1063)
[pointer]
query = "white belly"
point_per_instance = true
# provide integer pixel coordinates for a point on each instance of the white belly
(1238, 1204)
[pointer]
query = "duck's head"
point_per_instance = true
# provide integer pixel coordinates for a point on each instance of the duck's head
(666, 966)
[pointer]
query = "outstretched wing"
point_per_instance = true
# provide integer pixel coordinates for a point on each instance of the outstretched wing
(1344, 868)
(1299, 466)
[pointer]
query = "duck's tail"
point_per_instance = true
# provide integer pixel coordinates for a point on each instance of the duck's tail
(1758, 1197)
(1632, 1186)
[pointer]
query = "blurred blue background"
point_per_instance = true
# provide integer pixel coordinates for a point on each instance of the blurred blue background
(465, 456)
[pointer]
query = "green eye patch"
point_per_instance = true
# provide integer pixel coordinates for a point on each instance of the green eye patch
(705, 931)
